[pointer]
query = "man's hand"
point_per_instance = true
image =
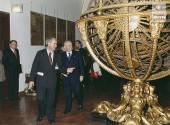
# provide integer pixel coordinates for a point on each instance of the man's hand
(31, 84)
(65, 75)
(70, 70)
(81, 78)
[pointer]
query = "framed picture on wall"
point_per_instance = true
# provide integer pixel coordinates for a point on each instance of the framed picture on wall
(71, 30)
(37, 29)
(50, 27)
(61, 31)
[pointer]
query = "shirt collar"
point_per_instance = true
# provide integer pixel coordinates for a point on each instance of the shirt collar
(69, 52)
(12, 50)
(48, 51)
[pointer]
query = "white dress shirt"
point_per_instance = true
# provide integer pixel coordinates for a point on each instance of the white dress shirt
(69, 53)
(12, 50)
(52, 54)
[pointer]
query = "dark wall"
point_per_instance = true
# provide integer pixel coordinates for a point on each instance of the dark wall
(4, 29)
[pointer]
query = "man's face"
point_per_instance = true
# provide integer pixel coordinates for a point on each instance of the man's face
(77, 45)
(68, 46)
(13, 45)
(52, 45)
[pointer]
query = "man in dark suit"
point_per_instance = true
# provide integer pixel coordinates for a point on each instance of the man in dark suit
(87, 62)
(11, 61)
(44, 72)
(72, 69)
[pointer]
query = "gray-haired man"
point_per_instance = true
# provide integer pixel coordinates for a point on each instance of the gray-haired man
(44, 73)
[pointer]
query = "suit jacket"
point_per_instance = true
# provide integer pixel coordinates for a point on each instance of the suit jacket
(75, 61)
(42, 71)
(11, 61)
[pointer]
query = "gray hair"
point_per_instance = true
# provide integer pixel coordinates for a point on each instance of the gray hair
(49, 40)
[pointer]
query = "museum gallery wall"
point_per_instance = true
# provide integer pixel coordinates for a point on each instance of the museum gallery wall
(44, 27)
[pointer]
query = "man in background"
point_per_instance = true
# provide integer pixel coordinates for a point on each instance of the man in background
(11, 61)
(44, 72)
(87, 63)
(72, 68)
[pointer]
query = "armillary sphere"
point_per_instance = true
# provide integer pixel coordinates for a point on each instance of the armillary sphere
(130, 39)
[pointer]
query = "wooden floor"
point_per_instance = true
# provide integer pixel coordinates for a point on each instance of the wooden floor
(23, 112)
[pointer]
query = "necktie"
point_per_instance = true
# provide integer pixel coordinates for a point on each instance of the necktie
(69, 56)
(50, 59)
(15, 53)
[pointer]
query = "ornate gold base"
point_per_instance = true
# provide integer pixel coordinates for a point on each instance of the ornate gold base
(138, 106)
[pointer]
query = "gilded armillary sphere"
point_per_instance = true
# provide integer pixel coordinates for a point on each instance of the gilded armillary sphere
(130, 39)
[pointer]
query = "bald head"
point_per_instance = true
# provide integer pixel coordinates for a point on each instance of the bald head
(68, 46)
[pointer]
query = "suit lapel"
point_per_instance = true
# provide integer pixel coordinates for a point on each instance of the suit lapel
(12, 53)
(46, 56)
(71, 60)
(53, 61)
(66, 60)
(65, 56)
(72, 55)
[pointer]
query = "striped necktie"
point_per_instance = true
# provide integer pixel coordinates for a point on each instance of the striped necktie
(50, 59)
(15, 53)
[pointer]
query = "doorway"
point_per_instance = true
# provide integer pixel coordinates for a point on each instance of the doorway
(4, 39)
(4, 29)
